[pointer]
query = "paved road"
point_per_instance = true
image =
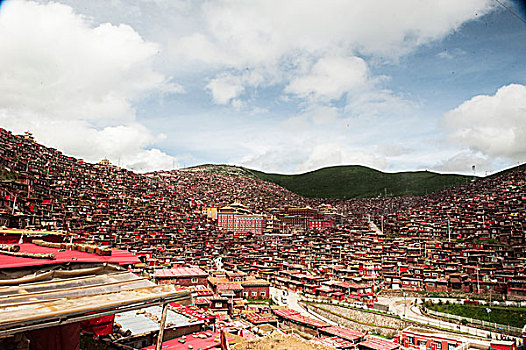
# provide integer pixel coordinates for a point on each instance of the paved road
(375, 228)
(408, 311)
(398, 305)
(292, 303)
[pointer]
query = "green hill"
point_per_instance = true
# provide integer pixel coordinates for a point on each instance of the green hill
(349, 181)
(356, 181)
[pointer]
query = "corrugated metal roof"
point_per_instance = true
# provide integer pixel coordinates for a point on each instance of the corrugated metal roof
(71, 296)
(140, 321)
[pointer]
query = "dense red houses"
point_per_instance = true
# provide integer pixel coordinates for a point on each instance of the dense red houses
(466, 240)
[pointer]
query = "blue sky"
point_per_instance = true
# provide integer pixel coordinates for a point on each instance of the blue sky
(277, 86)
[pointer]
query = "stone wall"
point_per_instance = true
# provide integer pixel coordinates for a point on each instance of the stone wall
(366, 322)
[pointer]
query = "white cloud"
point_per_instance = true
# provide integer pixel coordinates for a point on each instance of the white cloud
(324, 154)
(126, 145)
(74, 84)
(263, 31)
(463, 162)
(373, 102)
(226, 87)
(329, 78)
(317, 115)
(280, 38)
(492, 125)
(320, 57)
(318, 137)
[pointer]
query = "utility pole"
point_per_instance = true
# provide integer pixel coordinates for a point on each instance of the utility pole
(478, 282)
(405, 302)
(374, 272)
(488, 310)
(14, 203)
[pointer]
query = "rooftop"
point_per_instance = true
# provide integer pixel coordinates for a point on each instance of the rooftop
(121, 257)
(147, 320)
(180, 272)
(378, 344)
(202, 340)
(64, 296)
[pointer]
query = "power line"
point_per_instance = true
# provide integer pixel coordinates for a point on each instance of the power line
(511, 11)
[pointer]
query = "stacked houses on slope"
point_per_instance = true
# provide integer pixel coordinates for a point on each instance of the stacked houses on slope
(469, 239)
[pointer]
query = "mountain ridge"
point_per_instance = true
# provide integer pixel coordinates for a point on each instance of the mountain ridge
(349, 181)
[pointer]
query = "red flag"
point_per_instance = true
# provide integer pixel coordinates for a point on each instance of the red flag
(100, 326)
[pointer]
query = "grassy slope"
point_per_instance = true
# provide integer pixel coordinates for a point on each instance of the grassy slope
(359, 181)
(513, 316)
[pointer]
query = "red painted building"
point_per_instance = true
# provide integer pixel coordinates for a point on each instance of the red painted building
(503, 345)
(239, 285)
(238, 219)
(427, 339)
(304, 217)
(183, 276)
(256, 289)
(375, 343)
(436, 285)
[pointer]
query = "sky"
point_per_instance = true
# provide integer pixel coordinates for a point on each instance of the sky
(279, 86)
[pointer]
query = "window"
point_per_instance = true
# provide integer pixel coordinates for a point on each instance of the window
(245, 294)
(411, 340)
(195, 280)
(219, 304)
(451, 346)
(254, 294)
(438, 345)
(262, 294)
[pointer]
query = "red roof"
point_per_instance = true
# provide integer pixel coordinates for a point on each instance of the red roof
(257, 318)
(180, 272)
(297, 317)
(378, 344)
(192, 312)
(285, 312)
(352, 285)
(121, 257)
(210, 341)
(229, 286)
(343, 332)
(334, 342)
